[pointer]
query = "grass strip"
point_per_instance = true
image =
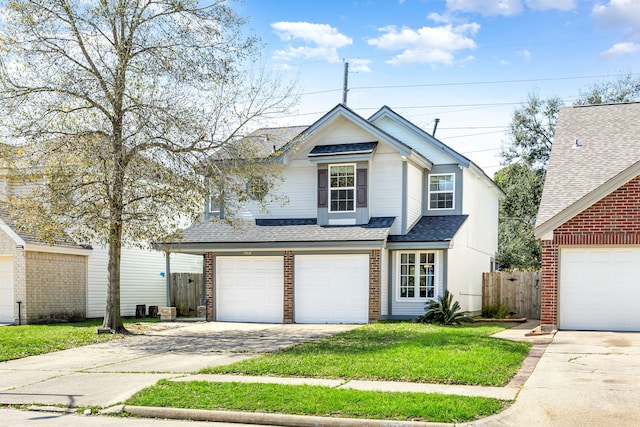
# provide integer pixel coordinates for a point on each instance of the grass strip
(397, 352)
(17, 342)
(316, 401)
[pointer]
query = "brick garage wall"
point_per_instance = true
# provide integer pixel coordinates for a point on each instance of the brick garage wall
(209, 261)
(288, 286)
(614, 220)
(374, 285)
(56, 287)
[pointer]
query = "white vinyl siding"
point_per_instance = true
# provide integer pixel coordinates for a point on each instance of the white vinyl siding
(384, 282)
(385, 189)
(414, 194)
(142, 278)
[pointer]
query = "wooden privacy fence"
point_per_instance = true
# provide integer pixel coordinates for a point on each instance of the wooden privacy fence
(186, 293)
(520, 291)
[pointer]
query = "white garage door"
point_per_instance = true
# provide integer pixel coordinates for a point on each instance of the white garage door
(600, 289)
(331, 288)
(6, 290)
(250, 289)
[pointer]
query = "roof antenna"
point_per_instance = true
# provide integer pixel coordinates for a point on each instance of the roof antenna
(435, 126)
(345, 83)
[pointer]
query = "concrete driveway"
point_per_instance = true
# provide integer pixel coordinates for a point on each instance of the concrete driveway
(109, 373)
(583, 379)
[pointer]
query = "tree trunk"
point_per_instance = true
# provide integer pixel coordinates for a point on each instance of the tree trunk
(112, 321)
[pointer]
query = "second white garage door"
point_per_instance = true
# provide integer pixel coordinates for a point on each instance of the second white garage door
(250, 289)
(599, 289)
(6, 290)
(331, 288)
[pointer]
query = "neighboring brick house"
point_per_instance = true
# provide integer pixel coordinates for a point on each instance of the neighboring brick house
(50, 281)
(589, 220)
(381, 218)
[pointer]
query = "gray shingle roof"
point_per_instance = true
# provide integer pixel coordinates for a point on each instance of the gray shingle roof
(432, 229)
(283, 230)
(609, 139)
(30, 235)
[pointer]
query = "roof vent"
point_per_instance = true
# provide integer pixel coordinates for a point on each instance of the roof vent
(576, 145)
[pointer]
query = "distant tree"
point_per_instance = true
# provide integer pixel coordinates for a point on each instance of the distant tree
(531, 132)
(518, 248)
(117, 104)
(526, 155)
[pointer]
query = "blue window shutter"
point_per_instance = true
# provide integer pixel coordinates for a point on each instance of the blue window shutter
(323, 188)
(361, 188)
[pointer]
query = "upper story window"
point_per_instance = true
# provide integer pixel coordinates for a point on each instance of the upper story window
(342, 186)
(257, 188)
(441, 191)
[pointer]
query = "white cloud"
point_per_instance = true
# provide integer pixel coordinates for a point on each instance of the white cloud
(504, 62)
(320, 41)
(618, 14)
(525, 54)
(359, 65)
(552, 4)
(486, 7)
(620, 49)
(431, 45)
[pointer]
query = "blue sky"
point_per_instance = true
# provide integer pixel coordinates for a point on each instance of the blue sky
(469, 63)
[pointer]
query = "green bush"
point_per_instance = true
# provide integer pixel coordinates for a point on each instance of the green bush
(496, 311)
(443, 310)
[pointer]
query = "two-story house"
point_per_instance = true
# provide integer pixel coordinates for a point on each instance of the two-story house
(381, 218)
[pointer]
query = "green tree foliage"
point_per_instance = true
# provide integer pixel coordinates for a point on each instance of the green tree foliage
(526, 156)
(114, 107)
(517, 246)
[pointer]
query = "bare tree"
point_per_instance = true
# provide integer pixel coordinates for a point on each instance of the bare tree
(116, 104)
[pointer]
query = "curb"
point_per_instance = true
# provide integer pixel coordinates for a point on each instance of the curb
(267, 419)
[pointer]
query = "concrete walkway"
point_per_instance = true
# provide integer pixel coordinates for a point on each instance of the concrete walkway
(105, 375)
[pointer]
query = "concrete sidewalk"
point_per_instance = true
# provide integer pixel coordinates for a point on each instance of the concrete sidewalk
(105, 375)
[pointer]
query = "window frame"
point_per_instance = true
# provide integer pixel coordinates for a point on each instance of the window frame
(452, 191)
(416, 275)
(351, 188)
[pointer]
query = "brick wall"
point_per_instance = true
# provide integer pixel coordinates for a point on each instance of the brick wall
(288, 286)
(614, 220)
(208, 270)
(374, 285)
(56, 287)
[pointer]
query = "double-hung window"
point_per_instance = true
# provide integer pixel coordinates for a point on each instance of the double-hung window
(417, 275)
(342, 185)
(441, 191)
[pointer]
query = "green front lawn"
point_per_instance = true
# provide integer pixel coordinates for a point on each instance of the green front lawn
(316, 401)
(17, 342)
(397, 352)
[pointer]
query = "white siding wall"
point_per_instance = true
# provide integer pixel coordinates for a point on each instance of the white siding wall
(413, 307)
(384, 282)
(300, 176)
(414, 193)
(298, 189)
(141, 280)
(385, 189)
(431, 152)
(475, 243)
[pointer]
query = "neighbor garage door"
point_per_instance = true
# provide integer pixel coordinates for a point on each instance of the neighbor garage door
(599, 289)
(331, 288)
(6, 290)
(250, 289)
